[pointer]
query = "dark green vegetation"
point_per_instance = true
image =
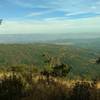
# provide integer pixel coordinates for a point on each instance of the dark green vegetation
(81, 59)
(0, 21)
(44, 71)
(11, 88)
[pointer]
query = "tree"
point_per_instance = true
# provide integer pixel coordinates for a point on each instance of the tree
(98, 61)
(57, 71)
(61, 70)
(55, 68)
(1, 21)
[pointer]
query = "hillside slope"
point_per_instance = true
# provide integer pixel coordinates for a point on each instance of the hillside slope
(82, 60)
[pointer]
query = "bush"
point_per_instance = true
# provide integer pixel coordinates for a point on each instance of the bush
(81, 91)
(11, 88)
(52, 91)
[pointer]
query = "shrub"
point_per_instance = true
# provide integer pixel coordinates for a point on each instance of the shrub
(81, 91)
(11, 88)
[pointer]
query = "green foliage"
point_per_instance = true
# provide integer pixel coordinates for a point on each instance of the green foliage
(11, 88)
(1, 21)
(98, 61)
(81, 91)
(61, 70)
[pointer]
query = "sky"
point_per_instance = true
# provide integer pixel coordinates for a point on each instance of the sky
(50, 16)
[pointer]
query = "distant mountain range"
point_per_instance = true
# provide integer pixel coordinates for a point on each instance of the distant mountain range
(62, 38)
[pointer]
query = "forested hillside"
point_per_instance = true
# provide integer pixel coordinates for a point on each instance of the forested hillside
(82, 60)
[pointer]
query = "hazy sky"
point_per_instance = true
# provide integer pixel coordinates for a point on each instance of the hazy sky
(50, 16)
